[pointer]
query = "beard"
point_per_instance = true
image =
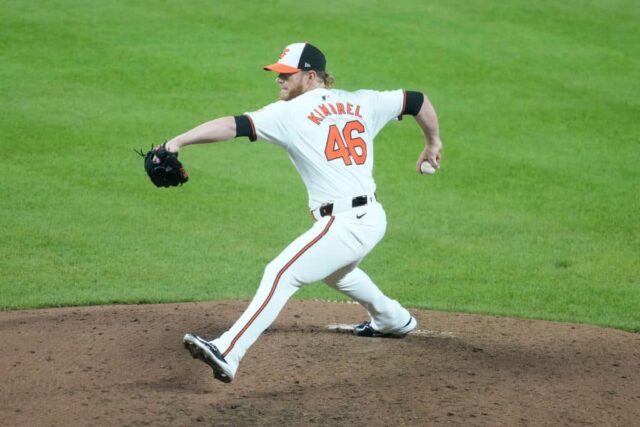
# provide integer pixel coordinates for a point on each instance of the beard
(292, 92)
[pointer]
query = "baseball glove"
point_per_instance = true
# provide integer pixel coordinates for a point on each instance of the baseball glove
(164, 168)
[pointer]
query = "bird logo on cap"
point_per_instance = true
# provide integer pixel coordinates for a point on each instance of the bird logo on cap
(284, 52)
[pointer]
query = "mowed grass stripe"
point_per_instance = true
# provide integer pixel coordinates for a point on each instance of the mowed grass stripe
(534, 213)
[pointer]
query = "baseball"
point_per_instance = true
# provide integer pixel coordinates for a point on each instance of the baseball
(426, 168)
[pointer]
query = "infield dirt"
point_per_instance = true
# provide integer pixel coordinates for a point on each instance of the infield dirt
(125, 365)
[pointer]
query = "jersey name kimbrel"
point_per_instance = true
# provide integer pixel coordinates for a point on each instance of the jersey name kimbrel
(324, 110)
(329, 136)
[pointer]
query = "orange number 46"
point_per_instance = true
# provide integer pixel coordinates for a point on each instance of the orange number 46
(343, 145)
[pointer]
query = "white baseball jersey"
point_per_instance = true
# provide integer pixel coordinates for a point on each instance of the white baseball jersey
(329, 137)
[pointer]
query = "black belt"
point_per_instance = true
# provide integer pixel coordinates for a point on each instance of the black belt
(327, 209)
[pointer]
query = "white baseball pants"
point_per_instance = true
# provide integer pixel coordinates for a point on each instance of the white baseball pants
(330, 251)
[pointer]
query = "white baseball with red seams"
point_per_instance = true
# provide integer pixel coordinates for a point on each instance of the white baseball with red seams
(427, 168)
(329, 136)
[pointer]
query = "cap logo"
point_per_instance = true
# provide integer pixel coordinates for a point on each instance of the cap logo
(306, 64)
(284, 52)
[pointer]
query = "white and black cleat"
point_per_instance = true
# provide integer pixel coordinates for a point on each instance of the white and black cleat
(209, 354)
(365, 329)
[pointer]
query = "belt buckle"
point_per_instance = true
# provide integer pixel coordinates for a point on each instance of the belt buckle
(359, 201)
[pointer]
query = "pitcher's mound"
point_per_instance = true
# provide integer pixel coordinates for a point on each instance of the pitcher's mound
(125, 365)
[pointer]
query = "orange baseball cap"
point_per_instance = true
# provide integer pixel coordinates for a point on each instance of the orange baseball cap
(299, 57)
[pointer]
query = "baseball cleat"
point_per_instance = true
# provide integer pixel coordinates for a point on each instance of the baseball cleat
(209, 354)
(365, 329)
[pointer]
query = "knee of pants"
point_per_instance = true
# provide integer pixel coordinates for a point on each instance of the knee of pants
(335, 278)
(275, 271)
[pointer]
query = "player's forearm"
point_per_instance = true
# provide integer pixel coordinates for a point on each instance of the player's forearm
(428, 122)
(216, 130)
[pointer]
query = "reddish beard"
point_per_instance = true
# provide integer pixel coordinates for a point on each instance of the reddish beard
(293, 92)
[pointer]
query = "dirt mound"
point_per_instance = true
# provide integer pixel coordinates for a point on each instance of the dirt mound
(125, 365)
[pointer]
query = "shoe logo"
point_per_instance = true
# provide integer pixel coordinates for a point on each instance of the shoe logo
(360, 216)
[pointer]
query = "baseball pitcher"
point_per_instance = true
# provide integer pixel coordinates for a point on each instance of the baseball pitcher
(329, 136)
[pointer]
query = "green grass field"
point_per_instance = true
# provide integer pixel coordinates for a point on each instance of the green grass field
(535, 212)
